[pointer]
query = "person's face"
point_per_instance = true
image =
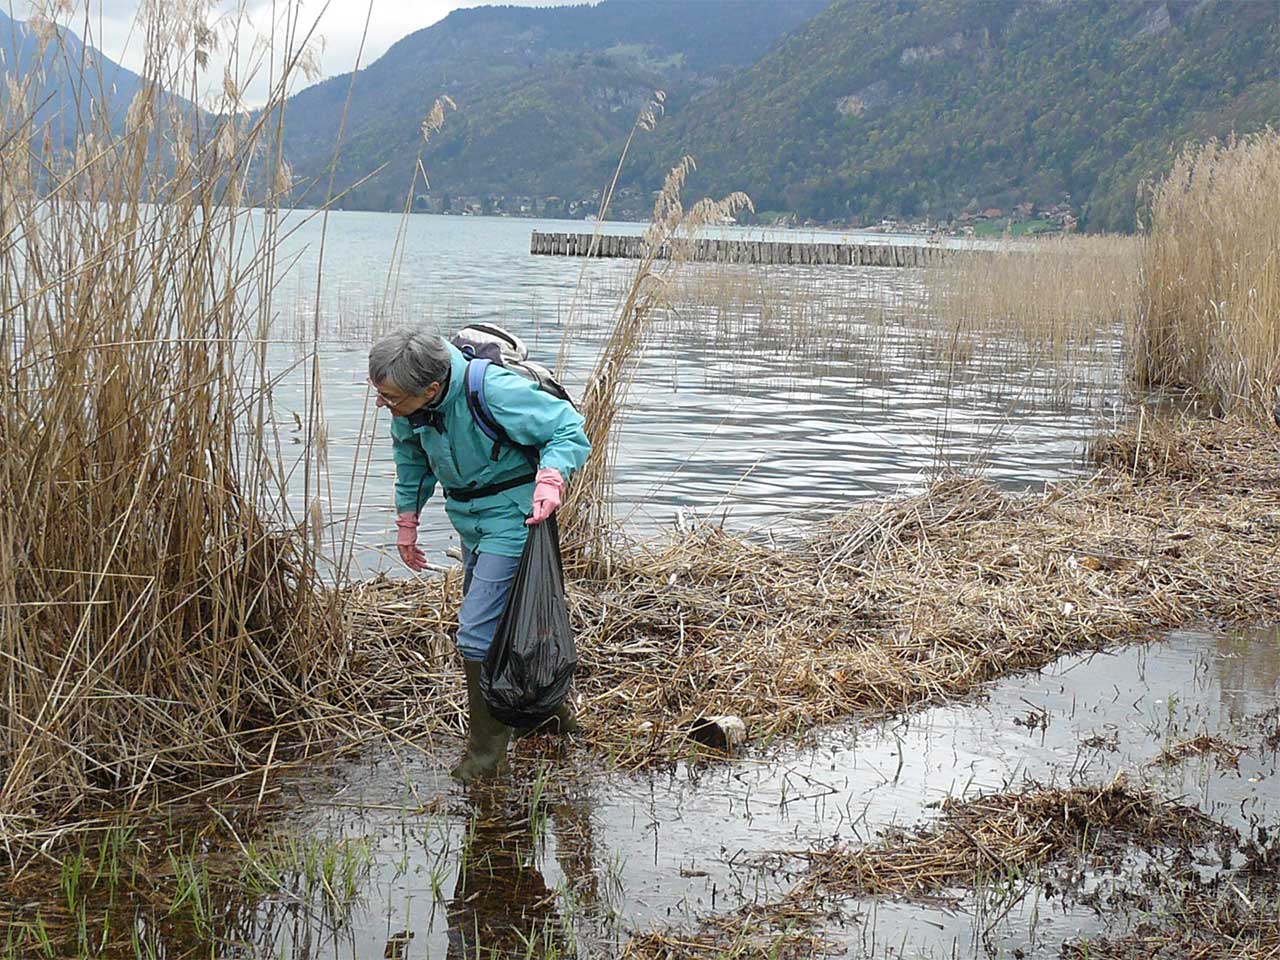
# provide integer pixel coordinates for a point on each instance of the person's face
(400, 403)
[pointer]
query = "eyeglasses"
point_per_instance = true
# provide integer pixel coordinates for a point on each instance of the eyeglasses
(385, 398)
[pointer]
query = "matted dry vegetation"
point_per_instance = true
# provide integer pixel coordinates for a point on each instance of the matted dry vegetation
(1230, 926)
(1006, 844)
(1235, 916)
(896, 603)
(1199, 746)
(1008, 834)
(756, 932)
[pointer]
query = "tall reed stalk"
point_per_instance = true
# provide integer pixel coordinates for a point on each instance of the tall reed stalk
(586, 519)
(160, 620)
(1209, 317)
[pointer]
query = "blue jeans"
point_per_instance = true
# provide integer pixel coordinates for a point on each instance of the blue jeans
(486, 584)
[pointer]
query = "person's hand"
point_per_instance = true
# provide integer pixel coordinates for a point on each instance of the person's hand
(546, 494)
(407, 541)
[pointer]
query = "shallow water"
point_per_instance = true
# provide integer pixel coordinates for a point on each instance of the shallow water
(744, 409)
(604, 854)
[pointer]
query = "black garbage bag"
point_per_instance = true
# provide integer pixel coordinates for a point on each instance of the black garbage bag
(531, 661)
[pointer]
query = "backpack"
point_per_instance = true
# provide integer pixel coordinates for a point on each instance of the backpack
(486, 343)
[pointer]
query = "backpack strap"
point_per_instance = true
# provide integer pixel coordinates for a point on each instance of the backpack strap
(477, 403)
(483, 416)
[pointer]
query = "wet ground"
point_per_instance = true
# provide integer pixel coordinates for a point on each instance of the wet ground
(568, 860)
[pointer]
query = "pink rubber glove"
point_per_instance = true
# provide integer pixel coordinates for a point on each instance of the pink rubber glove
(546, 494)
(407, 542)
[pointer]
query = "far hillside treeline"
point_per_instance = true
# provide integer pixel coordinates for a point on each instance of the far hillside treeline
(911, 109)
(868, 109)
(846, 112)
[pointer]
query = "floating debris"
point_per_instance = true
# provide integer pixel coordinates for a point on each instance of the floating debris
(1005, 834)
(720, 733)
(1199, 746)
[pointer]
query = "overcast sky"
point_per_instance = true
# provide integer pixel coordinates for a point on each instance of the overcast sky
(341, 24)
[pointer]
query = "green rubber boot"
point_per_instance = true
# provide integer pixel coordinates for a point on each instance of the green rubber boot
(487, 738)
(562, 722)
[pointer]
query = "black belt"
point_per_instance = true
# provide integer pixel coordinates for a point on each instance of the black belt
(466, 496)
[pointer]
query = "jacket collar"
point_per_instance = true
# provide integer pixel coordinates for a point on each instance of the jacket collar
(457, 378)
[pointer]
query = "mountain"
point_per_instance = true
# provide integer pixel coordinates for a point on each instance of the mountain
(915, 108)
(545, 96)
(72, 78)
(834, 110)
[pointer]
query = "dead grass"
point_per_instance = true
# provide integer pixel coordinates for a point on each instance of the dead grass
(1213, 929)
(1007, 835)
(1200, 746)
(757, 932)
(1235, 918)
(903, 602)
(586, 519)
(1054, 293)
(1046, 315)
(1209, 317)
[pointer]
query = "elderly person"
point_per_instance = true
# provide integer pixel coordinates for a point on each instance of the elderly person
(493, 492)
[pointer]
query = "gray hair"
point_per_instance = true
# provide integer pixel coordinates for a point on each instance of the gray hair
(410, 359)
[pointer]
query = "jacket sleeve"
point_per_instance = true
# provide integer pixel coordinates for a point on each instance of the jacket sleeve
(414, 480)
(535, 418)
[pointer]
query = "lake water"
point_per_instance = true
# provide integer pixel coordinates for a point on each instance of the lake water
(606, 854)
(773, 408)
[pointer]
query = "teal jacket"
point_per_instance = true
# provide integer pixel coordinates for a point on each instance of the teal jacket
(460, 456)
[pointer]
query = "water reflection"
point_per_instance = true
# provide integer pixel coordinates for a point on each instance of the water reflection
(501, 902)
(1248, 661)
(383, 856)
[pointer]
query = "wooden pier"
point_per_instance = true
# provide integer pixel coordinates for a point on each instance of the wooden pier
(782, 252)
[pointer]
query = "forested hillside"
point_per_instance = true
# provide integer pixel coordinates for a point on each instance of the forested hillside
(847, 111)
(916, 108)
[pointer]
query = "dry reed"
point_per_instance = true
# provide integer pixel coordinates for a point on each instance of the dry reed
(160, 619)
(586, 520)
(1044, 317)
(1231, 916)
(1059, 304)
(1199, 746)
(1208, 928)
(1008, 835)
(1209, 317)
(754, 933)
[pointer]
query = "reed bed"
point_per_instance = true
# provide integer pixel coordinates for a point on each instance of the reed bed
(898, 603)
(161, 624)
(1055, 294)
(1045, 318)
(1209, 317)
(586, 520)
(1008, 835)
(1057, 304)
